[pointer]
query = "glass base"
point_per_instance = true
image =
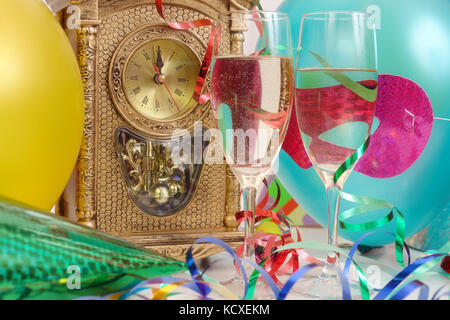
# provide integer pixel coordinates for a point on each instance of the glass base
(262, 289)
(324, 286)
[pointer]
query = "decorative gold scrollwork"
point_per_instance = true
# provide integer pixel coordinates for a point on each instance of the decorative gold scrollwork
(157, 184)
(134, 159)
(150, 169)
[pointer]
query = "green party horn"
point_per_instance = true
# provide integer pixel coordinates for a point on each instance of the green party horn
(43, 256)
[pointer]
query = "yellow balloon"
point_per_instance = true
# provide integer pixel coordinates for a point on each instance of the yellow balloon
(41, 104)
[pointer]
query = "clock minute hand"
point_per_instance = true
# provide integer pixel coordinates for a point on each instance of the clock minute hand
(165, 85)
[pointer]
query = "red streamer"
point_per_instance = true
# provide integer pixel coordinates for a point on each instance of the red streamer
(198, 96)
(286, 260)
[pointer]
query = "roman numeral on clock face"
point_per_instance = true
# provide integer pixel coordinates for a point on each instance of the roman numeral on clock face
(136, 90)
(178, 92)
(138, 66)
(171, 103)
(146, 55)
(145, 101)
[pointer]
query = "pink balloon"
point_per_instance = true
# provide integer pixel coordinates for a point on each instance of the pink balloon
(405, 119)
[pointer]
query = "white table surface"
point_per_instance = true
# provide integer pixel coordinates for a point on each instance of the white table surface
(221, 267)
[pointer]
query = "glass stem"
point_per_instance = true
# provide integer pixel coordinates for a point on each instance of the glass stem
(333, 199)
(249, 248)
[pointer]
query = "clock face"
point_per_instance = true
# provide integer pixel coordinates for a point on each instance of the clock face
(159, 79)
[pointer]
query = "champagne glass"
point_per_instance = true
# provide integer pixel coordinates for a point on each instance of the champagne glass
(252, 89)
(336, 88)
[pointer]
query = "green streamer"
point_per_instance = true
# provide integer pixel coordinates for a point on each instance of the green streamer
(369, 204)
(365, 93)
(351, 160)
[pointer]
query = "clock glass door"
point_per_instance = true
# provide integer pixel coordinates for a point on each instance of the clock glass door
(161, 174)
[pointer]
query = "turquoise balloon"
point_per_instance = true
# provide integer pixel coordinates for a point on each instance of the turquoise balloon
(413, 39)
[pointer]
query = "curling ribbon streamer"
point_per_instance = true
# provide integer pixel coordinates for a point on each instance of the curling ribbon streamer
(198, 96)
(170, 284)
(369, 204)
(357, 88)
(273, 119)
(284, 261)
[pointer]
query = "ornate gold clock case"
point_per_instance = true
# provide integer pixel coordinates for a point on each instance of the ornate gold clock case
(139, 77)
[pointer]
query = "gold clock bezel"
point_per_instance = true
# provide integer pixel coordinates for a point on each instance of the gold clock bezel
(191, 102)
(125, 50)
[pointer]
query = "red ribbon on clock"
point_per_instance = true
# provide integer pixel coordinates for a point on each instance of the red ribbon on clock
(198, 96)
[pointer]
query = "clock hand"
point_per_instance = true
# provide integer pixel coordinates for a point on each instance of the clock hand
(165, 85)
(159, 62)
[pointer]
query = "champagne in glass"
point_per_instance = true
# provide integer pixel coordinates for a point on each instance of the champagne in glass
(336, 88)
(334, 121)
(258, 111)
(252, 86)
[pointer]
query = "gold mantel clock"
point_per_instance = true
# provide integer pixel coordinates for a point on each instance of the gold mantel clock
(139, 76)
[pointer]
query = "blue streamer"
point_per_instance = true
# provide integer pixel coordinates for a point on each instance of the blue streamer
(409, 288)
(403, 274)
(193, 267)
(197, 285)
